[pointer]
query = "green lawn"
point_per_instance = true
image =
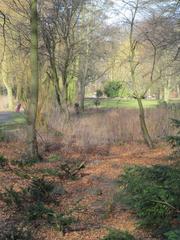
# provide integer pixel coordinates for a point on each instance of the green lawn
(120, 103)
(11, 120)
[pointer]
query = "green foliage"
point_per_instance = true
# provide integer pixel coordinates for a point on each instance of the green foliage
(118, 235)
(2, 136)
(153, 192)
(175, 140)
(172, 235)
(112, 89)
(61, 221)
(39, 211)
(97, 102)
(70, 169)
(16, 233)
(53, 158)
(12, 198)
(50, 171)
(25, 161)
(40, 189)
(3, 162)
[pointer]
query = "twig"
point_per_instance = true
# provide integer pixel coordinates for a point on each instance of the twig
(167, 204)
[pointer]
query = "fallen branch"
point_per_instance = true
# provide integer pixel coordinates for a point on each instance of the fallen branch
(167, 204)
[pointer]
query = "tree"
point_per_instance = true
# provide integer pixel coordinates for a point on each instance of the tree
(112, 89)
(33, 104)
(59, 25)
(93, 54)
(143, 54)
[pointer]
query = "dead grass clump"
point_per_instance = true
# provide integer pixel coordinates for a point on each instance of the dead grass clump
(115, 126)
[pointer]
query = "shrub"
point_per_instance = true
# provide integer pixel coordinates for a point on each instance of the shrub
(3, 162)
(112, 89)
(16, 233)
(172, 235)
(40, 189)
(12, 197)
(99, 93)
(175, 140)
(38, 211)
(118, 235)
(2, 136)
(50, 171)
(70, 169)
(97, 102)
(25, 161)
(60, 221)
(154, 193)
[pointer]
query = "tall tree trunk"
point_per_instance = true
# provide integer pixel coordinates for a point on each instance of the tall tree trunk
(178, 90)
(82, 95)
(167, 91)
(82, 81)
(5, 78)
(143, 125)
(9, 94)
(33, 105)
(56, 83)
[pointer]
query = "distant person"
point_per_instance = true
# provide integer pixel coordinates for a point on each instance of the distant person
(18, 107)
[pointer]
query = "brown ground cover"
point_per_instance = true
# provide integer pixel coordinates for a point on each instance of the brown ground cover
(90, 196)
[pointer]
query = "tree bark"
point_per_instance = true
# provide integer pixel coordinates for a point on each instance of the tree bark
(143, 125)
(167, 91)
(9, 94)
(82, 95)
(56, 81)
(7, 84)
(33, 105)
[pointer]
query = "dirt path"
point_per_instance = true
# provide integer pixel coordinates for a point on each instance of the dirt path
(91, 196)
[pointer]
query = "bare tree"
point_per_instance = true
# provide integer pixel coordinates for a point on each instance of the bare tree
(33, 105)
(59, 26)
(145, 52)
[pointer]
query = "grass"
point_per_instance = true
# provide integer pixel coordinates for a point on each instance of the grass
(12, 121)
(120, 103)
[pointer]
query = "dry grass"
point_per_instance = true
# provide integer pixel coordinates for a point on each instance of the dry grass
(113, 126)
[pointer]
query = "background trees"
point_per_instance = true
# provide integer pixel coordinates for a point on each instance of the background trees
(83, 45)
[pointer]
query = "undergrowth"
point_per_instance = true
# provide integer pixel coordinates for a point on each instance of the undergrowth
(118, 235)
(154, 193)
(30, 203)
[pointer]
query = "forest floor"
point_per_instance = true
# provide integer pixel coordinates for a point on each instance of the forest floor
(90, 197)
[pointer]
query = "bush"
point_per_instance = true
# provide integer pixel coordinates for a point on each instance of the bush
(112, 89)
(172, 235)
(50, 171)
(118, 235)
(16, 233)
(60, 221)
(97, 102)
(99, 93)
(70, 168)
(40, 189)
(39, 211)
(175, 140)
(154, 193)
(12, 198)
(3, 162)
